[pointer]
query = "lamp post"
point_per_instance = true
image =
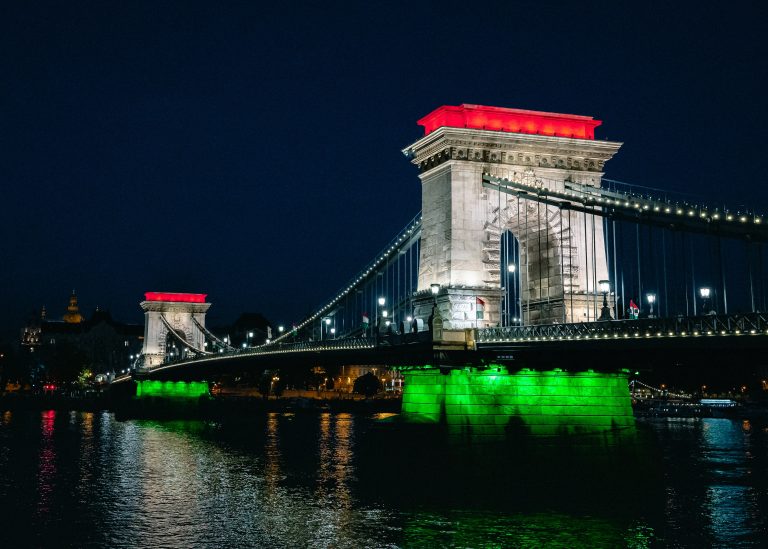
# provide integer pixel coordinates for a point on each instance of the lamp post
(250, 336)
(511, 269)
(651, 300)
(705, 305)
(605, 312)
(327, 322)
(435, 289)
(379, 313)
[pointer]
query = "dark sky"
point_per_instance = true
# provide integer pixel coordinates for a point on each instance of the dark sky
(253, 153)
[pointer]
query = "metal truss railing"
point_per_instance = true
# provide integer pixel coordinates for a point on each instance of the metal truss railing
(709, 325)
(301, 346)
(327, 345)
(645, 210)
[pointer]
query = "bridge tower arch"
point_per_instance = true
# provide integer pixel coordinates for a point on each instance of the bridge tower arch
(562, 256)
(164, 311)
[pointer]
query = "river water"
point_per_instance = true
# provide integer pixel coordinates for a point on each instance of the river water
(76, 479)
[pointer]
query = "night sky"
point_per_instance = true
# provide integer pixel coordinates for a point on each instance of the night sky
(253, 153)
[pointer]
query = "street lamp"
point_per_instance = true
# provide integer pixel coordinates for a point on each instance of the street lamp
(333, 333)
(281, 329)
(511, 268)
(435, 288)
(605, 312)
(651, 300)
(250, 335)
(705, 306)
(380, 313)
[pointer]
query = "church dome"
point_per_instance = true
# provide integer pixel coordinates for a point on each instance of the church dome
(73, 315)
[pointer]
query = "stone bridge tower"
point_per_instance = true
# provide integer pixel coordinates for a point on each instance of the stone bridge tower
(561, 256)
(177, 311)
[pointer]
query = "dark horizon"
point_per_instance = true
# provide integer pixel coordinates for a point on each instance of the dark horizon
(254, 155)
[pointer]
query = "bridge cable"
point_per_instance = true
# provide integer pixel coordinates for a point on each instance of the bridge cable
(639, 263)
(212, 336)
(623, 292)
(748, 251)
(538, 251)
(180, 339)
(615, 273)
(527, 272)
(562, 263)
(594, 269)
(722, 274)
(664, 270)
(761, 277)
(586, 265)
(688, 250)
(571, 247)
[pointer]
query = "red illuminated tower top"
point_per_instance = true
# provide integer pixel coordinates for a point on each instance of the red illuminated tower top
(479, 117)
(175, 297)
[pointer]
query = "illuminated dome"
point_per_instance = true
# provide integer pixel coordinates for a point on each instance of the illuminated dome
(73, 315)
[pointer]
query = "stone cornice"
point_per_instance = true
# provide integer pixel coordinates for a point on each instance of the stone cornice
(168, 306)
(493, 147)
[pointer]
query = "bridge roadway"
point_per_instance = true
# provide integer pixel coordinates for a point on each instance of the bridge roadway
(712, 341)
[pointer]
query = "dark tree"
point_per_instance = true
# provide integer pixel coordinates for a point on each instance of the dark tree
(367, 384)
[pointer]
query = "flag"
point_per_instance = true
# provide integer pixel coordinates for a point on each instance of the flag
(269, 332)
(634, 310)
(480, 307)
(366, 321)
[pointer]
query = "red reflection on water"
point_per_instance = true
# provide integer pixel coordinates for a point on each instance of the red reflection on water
(46, 472)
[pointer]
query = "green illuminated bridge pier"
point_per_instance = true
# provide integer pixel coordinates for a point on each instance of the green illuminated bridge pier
(521, 298)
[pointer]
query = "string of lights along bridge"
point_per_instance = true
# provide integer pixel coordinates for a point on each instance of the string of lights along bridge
(521, 241)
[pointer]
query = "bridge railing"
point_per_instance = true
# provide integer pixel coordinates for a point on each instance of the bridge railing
(736, 324)
(292, 347)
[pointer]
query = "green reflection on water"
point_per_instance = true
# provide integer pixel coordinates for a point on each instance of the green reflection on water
(524, 530)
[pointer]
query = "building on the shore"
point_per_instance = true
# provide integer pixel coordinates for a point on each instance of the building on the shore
(100, 343)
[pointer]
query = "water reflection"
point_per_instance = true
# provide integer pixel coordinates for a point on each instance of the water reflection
(46, 476)
(338, 480)
(272, 458)
(552, 530)
(729, 505)
(335, 470)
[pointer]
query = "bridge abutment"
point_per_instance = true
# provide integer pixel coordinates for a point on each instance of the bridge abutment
(493, 403)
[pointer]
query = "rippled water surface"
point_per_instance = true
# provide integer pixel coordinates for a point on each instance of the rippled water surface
(338, 480)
